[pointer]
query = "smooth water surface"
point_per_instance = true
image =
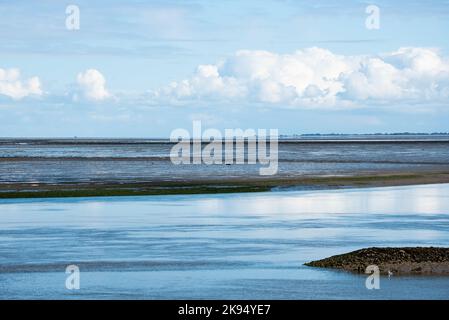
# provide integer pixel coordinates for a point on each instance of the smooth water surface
(233, 246)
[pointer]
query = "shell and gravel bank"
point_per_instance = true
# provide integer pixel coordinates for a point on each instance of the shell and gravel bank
(400, 261)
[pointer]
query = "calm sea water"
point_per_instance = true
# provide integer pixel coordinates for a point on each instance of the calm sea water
(234, 246)
(106, 160)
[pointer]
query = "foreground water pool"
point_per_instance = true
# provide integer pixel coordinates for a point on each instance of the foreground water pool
(232, 246)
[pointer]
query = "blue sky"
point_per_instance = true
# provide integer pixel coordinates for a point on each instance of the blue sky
(144, 68)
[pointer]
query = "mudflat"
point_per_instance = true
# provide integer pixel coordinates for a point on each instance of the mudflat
(198, 186)
(31, 168)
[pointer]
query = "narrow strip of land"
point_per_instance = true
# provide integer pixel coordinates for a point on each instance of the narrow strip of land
(199, 186)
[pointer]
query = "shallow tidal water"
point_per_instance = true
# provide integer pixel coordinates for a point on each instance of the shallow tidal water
(105, 160)
(230, 246)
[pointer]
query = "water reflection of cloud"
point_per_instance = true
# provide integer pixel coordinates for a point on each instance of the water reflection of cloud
(394, 200)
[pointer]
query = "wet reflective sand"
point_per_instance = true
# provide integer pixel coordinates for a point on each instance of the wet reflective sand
(100, 161)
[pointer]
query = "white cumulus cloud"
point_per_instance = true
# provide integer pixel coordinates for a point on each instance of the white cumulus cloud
(316, 77)
(92, 85)
(13, 86)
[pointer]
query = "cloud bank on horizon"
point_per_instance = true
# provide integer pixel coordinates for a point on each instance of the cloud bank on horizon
(308, 78)
(317, 78)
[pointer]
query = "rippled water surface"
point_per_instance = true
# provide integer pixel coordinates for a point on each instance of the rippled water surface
(81, 161)
(234, 246)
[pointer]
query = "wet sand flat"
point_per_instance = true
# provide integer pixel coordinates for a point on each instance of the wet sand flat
(102, 167)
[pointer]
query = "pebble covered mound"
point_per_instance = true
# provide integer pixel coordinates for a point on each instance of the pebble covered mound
(413, 260)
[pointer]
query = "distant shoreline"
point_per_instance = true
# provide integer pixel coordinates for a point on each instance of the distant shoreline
(203, 186)
(295, 138)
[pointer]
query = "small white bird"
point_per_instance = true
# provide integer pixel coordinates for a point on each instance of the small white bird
(390, 273)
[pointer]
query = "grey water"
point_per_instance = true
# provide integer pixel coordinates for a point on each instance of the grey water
(119, 160)
(231, 246)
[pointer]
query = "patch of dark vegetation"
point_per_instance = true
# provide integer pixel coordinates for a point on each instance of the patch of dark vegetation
(105, 192)
(207, 186)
